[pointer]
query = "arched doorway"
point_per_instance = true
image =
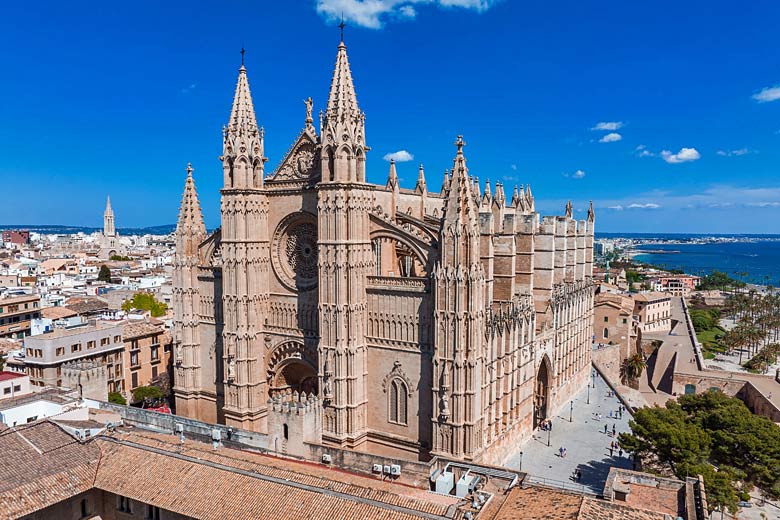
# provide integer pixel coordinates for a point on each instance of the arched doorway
(541, 393)
(292, 368)
(295, 376)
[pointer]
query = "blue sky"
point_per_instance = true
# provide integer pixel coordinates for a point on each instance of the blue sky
(117, 100)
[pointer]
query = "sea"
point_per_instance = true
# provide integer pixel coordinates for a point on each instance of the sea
(754, 259)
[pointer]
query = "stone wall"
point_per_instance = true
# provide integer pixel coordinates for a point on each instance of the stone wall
(607, 359)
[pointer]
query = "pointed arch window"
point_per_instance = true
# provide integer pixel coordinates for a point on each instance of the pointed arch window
(397, 406)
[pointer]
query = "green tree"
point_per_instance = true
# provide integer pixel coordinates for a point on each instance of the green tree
(116, 398)
(147, 393)
(715, 436)
(105, 274)
(631, 369)
(147, 302)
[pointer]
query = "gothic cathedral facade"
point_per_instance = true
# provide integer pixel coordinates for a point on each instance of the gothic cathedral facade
(427, 323)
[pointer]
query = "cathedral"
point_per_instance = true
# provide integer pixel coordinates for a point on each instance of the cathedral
(425, 322)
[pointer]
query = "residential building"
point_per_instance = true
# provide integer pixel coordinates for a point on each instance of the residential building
(614, 323)
(653, 311)
(14, 385)
(19, 237)
(677, 285)
(100, 342)
(400, 307)
(17, 313)
(147, 355)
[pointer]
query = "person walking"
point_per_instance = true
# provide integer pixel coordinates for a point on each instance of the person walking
(560, 452)
(611, 448)
(549, 424)
(620, 452)
(614, 430)
(579, 475)
(605, 429)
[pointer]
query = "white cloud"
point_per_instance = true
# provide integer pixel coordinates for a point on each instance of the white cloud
(649, 205)
(765, 95)
(611, 138)
(733, 153)
(616, 208)
(399, 156)
(373, 14)
(579, 174)
(514, 167)
(763, 204)
(189, 88)
(608, 126)
(684, 155)
(642, 151)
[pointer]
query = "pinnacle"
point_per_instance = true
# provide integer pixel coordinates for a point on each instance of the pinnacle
(342, 101)
(190, 214)
(242, 115)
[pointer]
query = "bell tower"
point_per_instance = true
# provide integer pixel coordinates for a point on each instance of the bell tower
(344, 202)
(245, 267)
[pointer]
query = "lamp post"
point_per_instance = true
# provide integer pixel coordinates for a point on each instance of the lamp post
(571, 410)
(521, 461)
(549, 431)
(588, 393)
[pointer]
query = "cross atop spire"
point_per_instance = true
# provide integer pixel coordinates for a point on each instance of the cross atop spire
(243, 51)
(341, 27)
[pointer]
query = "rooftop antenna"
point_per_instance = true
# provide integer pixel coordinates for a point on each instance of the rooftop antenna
(341, 26)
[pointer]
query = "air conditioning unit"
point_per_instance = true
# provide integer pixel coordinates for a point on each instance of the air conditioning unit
(386, 470)
(178, 428)
(216, 435)
(395, 470)
(326, 458)
(377, 468)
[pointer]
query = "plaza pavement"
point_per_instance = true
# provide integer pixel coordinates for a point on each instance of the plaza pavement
(587, 445)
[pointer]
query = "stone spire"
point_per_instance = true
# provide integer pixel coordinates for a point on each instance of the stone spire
(569, 210)
(459, 205)
(446, 183)
(500, 197)
(343, 127)
(458, 293)
(515, 198)
(190, 223)
(591, 213)
(188, 356)
(529, 199)
(392, 176)
(243, 145)
(487, 196)
(108, 219)
(421, 187)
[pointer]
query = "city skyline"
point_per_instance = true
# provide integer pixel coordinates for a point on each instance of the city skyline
(678, 137)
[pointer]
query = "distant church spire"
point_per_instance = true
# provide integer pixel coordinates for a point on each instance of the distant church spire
(108, 219)
(591, 213)
(243, 146)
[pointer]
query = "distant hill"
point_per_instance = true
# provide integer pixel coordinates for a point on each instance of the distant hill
(62, 230)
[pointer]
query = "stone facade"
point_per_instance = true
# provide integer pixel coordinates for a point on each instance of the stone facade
(426, 323)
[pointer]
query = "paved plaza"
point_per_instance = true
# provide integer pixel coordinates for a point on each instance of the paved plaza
(586, 443)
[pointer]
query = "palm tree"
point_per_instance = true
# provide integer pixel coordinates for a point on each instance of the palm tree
(632, 368)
